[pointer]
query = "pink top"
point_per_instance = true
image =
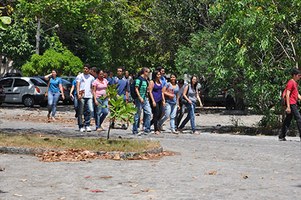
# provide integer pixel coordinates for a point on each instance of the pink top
(101, 87)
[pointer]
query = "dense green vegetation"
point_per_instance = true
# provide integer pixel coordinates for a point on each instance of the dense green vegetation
(245, 46)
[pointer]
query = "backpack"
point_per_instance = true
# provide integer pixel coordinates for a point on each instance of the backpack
(132, 87)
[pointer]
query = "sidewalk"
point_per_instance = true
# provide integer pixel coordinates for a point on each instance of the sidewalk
(208, 166)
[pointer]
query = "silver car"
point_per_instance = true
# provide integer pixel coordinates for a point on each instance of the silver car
(27, 90)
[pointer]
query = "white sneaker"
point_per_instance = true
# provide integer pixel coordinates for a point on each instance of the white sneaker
(88, 129)
(81, 130)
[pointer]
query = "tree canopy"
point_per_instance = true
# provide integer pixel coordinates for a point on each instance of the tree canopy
(244, 46)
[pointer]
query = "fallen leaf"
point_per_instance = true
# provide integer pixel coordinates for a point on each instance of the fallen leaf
(87, 176)
(18, 195)
(245, 177)
(106, 177)
(96, 191)
(212, 173)
(116, 157)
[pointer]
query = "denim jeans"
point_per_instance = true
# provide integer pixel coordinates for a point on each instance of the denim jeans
(101, 111)
(85, 107)
(53, 98)
(75, 103)
(146, 115)
(170, 112)
(190, 116)
(287, 121)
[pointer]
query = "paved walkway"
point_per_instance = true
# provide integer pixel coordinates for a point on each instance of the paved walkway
(208, 166)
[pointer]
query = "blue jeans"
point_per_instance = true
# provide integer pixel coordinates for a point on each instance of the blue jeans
(147, 111)
(53, 98)
(190, 116)
(101, 112)
(170, 112)
(75, 103)
(85, 107)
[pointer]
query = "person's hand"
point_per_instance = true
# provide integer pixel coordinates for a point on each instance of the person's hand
(71, 96)
(63, 96)
(179, 107)
(141, 100)
(189, 101)
(96, 103)
(164, 103)
(46, 94)
(154, 104)
(288, 110)
(79, 97)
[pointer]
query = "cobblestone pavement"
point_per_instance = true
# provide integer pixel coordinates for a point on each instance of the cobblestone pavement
(207, 166)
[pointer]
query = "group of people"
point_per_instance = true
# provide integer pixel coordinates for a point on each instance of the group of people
(155, 97)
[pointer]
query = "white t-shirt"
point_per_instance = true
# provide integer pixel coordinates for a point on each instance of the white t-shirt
(85, 83)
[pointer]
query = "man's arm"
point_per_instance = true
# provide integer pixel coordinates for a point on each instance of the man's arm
(287, 98)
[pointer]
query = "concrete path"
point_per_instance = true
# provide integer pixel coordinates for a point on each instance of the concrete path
(207, 166)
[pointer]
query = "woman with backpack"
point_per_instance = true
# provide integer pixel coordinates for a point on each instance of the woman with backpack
(190, 96)
(157, 99)
(170, 91)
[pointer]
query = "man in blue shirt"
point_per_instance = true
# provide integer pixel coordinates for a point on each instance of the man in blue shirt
(122, 88)
(163, 79)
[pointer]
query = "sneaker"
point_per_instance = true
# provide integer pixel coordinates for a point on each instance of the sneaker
(88, 129)
(174, 131)
(282, 139)
(195, 132)
(81, 130)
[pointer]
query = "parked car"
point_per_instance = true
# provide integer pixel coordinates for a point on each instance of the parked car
(12, 74)
(66, 87)
(2, 94)
(27, 90)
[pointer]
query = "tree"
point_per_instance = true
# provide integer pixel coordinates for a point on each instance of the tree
(255, 43)
(63, 61)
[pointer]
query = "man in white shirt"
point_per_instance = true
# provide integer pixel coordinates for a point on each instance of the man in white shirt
(85, 98)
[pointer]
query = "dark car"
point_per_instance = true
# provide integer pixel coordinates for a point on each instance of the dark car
(12, 74)
(2, 94)
(66, 87)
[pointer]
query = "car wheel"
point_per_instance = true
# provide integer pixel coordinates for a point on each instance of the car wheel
(28, 101)
(44, 104)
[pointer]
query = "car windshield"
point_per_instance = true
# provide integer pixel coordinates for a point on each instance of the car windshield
(38, 82)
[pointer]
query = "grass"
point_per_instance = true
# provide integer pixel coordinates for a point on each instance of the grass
(95, 144)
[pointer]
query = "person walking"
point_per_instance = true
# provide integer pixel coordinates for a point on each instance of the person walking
(191, 95)
(123, 88)
(100, 99)
(291, 96)
(170, 91)
(157, 99)
(141, 102)
(73, 96)
(53, 93)
(85, 98)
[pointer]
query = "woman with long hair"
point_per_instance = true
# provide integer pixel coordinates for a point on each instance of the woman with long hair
(53, 93)
(170, 91)
(157, 99)
(100, 99)
(191, 95)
